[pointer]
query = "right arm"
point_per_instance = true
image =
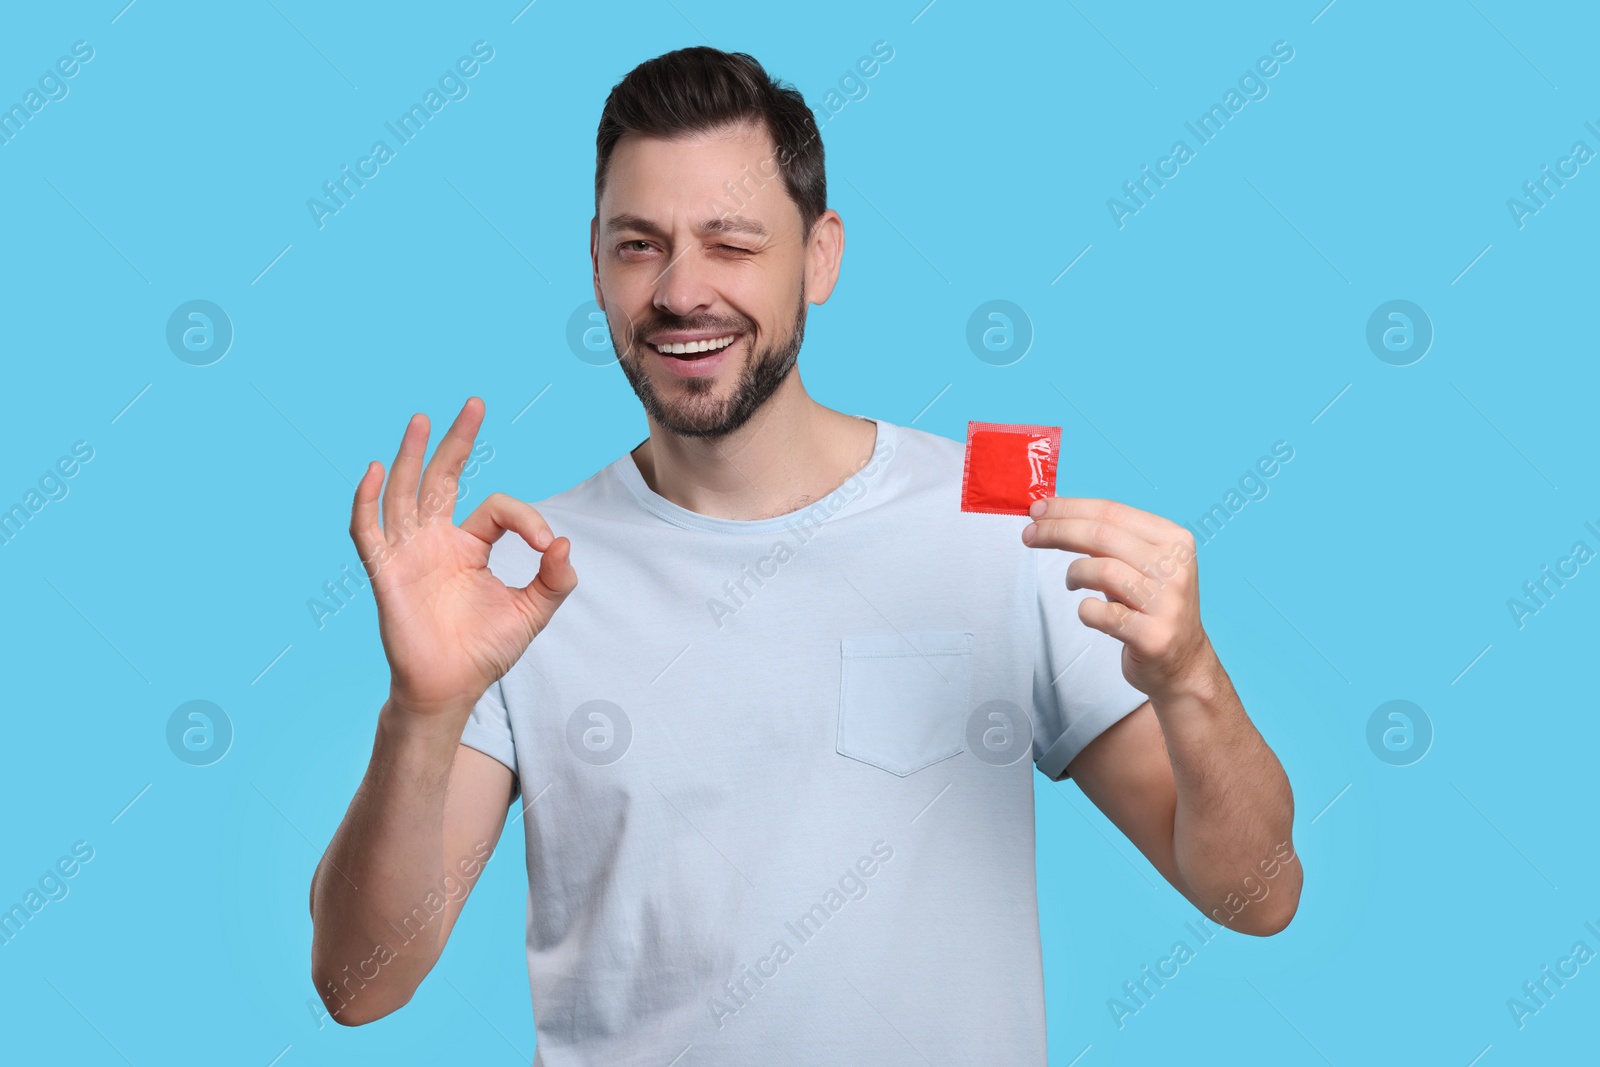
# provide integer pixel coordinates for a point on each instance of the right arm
(429, 809)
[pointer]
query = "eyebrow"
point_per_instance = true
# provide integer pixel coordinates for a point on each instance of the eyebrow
(722, 224)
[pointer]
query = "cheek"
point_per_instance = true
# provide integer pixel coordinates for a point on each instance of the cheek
(772, 295)
(627, 297)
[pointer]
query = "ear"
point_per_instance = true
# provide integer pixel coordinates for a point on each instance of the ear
(594, 258)
(824, 252)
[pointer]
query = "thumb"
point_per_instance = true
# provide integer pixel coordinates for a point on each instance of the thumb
(555, 580)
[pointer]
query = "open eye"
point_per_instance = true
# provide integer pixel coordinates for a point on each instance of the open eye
(628, 246)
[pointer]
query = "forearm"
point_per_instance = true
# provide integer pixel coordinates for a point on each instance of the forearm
(1232, 841)
(385, 858)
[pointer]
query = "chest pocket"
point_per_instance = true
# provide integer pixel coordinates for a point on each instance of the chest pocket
(903, 698)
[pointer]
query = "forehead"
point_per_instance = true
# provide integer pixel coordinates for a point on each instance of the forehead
(724, 179)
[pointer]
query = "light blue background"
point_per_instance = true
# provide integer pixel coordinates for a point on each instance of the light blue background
(1228, 314)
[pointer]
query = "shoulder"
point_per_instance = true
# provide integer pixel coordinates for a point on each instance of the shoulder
(927, 447)
(922, 462)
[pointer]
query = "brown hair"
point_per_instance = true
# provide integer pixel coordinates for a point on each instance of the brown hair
(696, 89)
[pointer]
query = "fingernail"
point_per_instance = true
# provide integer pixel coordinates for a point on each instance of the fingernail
(1036, 508)
(1028, 533)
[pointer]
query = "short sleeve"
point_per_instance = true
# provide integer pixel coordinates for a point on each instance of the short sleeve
(488, 730)
(1078, 687)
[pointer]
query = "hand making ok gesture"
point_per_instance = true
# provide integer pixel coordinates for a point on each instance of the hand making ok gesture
(450, 628)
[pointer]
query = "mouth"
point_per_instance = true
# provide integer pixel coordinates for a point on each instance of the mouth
(694, 348)
(696, 358)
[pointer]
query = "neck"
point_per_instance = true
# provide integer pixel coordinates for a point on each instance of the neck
(791, 452)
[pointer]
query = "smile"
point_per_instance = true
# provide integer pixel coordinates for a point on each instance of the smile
(692, 347)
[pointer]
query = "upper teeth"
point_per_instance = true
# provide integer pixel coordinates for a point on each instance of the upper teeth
(697, 346)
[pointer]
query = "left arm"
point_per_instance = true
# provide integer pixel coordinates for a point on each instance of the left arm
(1186, 776)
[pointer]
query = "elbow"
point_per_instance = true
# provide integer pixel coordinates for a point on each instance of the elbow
(351, 1000)
(353, 1007)
(1267, 922)
(352, 1014)
(1275, 912)
(1268, 910)
(1258, 921)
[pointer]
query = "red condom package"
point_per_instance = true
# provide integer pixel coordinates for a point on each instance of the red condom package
(1008, 467)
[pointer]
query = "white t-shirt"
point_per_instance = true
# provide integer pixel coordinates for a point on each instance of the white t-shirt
(776, 774)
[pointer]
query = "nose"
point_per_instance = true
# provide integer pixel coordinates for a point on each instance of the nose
(683, 288)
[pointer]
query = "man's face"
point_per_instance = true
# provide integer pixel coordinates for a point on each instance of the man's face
(696, 241)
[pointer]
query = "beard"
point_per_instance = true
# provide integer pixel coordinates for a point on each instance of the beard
(700, 414)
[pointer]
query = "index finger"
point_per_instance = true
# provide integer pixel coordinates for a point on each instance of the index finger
(365, 530)
(1144, 524)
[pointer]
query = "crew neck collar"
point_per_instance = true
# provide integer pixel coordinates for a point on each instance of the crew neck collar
(816, 511)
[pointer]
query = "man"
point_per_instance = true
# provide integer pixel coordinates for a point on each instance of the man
(773, 758)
